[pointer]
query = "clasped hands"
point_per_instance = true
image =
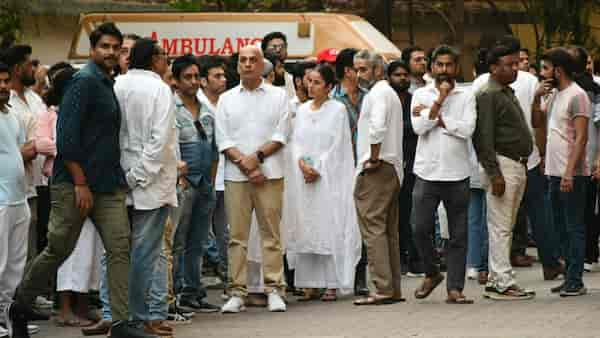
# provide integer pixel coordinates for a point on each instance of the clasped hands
(250, 166)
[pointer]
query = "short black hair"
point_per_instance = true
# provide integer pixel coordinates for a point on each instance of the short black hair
(560, 57)
(580, 57)
(481, 62)
(107, 28)
(300, 68)
(499, 51)
(407, 52)
(210, 62)
(271, 36)
(345, 58)
(182, 63)
(58, 85)
(445, 50)
(524, 50)
(141, 54)
(131, 36)
(509, 41)
(15, 55)
(57, 67)
(395, 65)
(4, 68)
(326, 73)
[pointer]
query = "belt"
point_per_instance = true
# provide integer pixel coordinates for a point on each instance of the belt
(520, 159)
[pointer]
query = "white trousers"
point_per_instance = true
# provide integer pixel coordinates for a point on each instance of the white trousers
(501, 217)
(14, 230)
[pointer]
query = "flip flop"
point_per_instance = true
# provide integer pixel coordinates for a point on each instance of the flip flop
(374, 300)
(308, 296)
(422, 293)
(329, 297)
(70, 322)
(459, 301)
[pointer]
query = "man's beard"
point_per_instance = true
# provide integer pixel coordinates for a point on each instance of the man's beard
(279, 80)
(400, 87)
(28, 81)
(444, 78)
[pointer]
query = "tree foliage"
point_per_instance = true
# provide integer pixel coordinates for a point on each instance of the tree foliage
(11, 17)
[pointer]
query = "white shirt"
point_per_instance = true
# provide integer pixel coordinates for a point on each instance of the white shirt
(443, 153)
(247, 119)
(525, 87)
(380, 121)
(212, 109)
(27, 113)
(148, 139)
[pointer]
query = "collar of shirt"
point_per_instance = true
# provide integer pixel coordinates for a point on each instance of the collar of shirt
(495, 85)
(432, 88)
(179, 103)
(144, 72)
(260, 87)
(95, 70)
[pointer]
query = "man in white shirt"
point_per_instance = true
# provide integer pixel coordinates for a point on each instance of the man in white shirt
(212, 84)
(27, 105)
(379, 177)
(444, 117)
(14, 212)
(276, 43)
(148, 157)
(252, 125)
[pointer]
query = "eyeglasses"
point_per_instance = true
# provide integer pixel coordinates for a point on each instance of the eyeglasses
(277, 47)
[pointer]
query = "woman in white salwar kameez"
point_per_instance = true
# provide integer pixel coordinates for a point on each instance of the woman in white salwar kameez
(323, 238)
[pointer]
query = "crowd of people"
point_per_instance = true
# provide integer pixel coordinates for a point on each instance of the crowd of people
(131, 175)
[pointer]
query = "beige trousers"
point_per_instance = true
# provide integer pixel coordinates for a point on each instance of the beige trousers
(501, 217)
(241, 199)
(377, 204)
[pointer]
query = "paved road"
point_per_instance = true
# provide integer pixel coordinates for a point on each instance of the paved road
(546, 316)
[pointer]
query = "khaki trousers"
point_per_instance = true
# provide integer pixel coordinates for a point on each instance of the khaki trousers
(377, 204)
(241, 199)
(501, 217)
(167, 253)
(109, 215)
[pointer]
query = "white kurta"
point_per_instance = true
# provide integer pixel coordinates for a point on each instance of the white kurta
(81, 271)
(323, 239)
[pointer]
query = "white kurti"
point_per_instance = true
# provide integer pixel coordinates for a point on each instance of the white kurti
(323, 239)
(81, 271)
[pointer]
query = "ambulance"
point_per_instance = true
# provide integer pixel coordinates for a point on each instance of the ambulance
(225, 33)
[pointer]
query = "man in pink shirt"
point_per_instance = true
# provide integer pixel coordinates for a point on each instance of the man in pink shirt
(566, 114)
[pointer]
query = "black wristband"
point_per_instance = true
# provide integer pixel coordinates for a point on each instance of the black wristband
(261, 156)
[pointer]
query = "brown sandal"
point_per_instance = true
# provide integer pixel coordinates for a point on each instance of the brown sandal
(309, 295)
(457, 297)
(329, 296)
(375, 299)
(423, 291)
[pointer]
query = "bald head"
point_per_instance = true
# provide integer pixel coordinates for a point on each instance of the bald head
(250, 63)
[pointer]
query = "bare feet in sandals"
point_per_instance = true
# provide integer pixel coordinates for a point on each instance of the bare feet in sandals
(428, 285)
(457, 297)
(329, 296)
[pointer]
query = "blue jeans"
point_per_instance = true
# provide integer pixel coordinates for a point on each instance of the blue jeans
(190, 239)
(477, 254)
(537, 201)
(568, 216)
(148, 278)
(103, 292)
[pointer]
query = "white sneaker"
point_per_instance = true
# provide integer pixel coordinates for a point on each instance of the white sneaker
(33, 329)
(42, 302)
(472, 273)
(276, 303)
(591, 267)
(3, 332)
(235, 304)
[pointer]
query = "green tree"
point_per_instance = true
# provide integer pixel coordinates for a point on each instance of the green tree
(11, 17)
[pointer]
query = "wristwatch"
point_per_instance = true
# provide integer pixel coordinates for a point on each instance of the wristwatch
(261, 156)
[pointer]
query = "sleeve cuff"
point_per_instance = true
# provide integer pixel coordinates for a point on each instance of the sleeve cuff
(131, 181)
(279, 137)
(226, 145)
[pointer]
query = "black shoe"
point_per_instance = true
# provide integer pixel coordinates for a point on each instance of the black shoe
(558, 289)
(572, 292)
(16, 320)
(35, 315)
(207, 307)
(174, 310)
(127, 329)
